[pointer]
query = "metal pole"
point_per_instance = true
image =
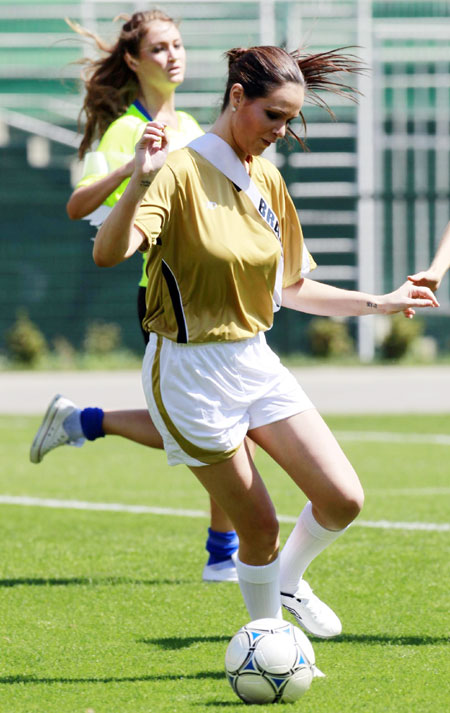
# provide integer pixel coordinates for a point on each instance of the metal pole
(366, 180)
(267, 36)
(267, 24)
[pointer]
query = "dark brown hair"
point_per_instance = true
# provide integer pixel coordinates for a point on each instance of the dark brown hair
(261, 69)
(111, 86)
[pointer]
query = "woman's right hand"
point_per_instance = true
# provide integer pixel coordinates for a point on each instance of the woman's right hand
(426, 278)
(151, 150)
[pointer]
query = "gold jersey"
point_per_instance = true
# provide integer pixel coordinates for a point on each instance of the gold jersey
(212, 258)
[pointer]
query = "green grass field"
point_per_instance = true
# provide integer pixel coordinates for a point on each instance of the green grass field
(106, 612)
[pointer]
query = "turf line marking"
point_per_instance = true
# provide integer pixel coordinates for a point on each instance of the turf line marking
(439, 439)
(407, 491)
(387, 525)
(27, 501)
(101, 507)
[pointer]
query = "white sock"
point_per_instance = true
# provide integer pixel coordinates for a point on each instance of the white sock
(307, 540)
(260, 587)
(72, 425)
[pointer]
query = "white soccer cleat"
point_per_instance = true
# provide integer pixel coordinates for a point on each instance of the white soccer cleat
(51, 433)
(317, 673)
(221, 572)
(313, 615)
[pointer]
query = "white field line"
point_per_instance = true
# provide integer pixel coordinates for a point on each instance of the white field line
(387, 525)
(27, 501)
(419, 492)
(439, 439)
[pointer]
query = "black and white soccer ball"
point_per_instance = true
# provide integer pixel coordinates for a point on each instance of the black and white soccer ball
(269, 660)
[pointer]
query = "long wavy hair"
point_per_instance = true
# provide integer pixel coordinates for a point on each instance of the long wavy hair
(110, 85)
(260, 69)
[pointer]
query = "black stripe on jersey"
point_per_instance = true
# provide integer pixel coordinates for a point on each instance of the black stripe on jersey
(182, 337)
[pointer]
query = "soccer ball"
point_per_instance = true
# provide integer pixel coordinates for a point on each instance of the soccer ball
(269, 660)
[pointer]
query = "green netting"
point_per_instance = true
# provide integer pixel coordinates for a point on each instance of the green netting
(53, 59)
(427, 8)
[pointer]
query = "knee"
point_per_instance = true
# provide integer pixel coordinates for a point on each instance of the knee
(340, 509)
(271, 534)
(268, 533)
(349, 505)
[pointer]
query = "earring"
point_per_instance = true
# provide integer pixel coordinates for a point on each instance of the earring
(233, 108)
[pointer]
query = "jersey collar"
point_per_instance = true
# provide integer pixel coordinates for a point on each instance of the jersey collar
(141, 109)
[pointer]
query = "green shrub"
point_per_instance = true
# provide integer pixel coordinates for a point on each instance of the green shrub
(102, 338)
(329, 338)
(25, 342)
(64, 353)
(401, 336)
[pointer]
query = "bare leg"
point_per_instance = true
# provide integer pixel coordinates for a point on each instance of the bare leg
(237, 486)
(219, 519)
(251, 447)
(220, 522)
(136, 425)
(238, 489)
(305, 448)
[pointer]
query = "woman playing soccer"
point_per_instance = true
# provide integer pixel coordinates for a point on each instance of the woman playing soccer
(225, 249)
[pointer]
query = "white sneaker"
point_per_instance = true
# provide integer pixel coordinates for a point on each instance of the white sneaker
(221, 572)
(311, 614)
(51, 433)
(317, 673)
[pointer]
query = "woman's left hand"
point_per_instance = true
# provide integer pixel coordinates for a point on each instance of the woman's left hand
(407, 299)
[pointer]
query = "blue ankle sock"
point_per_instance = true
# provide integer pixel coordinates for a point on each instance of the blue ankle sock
(221, 545)
(92, 423)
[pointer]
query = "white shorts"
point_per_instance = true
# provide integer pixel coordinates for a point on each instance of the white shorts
(203, 398)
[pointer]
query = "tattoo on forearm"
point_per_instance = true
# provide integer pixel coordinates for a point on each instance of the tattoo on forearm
(372, 304)
(145, 182)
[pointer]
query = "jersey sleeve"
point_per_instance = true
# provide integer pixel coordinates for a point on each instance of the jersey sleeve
(158, 205)
(298, 261)
(114, 150)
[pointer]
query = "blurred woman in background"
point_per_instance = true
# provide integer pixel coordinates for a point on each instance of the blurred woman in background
(133, 82)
